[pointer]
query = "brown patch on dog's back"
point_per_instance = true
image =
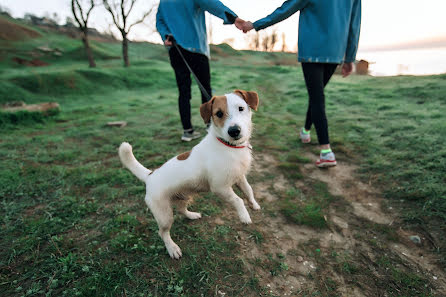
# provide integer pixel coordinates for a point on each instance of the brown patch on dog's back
(183, 156)
(220, 106)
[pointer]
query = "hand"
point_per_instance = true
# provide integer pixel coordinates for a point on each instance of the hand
(167, 42)
(239, 23)
(247, 26)
(347, 69)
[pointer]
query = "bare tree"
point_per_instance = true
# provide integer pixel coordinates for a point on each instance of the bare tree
(266, 42)
(120, 10)
(273, 40)
(82, 21)
(253, 40)
(269, 40)
(284, 46)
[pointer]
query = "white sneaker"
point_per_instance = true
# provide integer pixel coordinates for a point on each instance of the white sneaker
(305, 136)
(326, 160)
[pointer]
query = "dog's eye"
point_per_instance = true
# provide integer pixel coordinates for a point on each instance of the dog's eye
(241, 108)
(219, 114)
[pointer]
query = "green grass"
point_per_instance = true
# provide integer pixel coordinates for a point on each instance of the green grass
(307, 209)
(73, 221)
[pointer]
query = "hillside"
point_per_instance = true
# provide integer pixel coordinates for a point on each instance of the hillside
(11, 30)
(74, 221)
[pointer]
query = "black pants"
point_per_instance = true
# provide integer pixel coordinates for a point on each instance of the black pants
(200, 65)
(317, 76)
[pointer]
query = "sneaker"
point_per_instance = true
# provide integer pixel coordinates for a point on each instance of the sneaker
(305, 136)
(189, 135)
(326, 160)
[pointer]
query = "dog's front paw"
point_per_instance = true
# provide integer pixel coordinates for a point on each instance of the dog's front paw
(174, 251)
(245, 218)
(254, 205)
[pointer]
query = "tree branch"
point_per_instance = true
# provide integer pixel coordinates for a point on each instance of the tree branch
(124, 17)
(142, 18)
(81, 11)
(91, 8)
(73, 9)
(131, 7)
(108, 7)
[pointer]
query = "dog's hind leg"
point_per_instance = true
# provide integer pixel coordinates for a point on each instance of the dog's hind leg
(162, 211)
(182, 208)
(228, 194)
(247, 190)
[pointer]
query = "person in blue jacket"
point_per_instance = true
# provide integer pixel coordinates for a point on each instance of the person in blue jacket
(184, 21)
(328, 36)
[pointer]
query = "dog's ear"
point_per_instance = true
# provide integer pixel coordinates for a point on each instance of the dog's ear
(206, 110)
(251, 98)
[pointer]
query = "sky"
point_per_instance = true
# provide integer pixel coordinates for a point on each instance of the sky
(385, 23)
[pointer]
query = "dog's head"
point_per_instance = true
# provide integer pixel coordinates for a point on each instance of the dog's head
(230, 115)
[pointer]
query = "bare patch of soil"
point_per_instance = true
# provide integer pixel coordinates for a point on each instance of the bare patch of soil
(355, 256)
(32, 63)
(10, 31)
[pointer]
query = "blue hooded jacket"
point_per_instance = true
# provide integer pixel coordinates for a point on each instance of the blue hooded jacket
(186, 22)
(328, 29)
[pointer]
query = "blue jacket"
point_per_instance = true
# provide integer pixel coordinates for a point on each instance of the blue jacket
(328, 29)
(185, 21)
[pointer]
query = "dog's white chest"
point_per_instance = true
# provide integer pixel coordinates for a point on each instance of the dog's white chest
(231, 165)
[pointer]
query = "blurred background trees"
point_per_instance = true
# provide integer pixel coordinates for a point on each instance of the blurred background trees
(120, 11)
(81, 12)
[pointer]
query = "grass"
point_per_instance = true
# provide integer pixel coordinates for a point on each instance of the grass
(73, 222)
(307, 209)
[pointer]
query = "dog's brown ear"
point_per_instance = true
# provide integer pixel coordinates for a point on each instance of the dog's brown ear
(206, 110)
(251, 98)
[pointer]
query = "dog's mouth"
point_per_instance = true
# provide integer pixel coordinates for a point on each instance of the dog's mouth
(232, 142)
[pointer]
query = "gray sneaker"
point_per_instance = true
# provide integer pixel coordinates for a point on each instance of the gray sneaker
(189, 135)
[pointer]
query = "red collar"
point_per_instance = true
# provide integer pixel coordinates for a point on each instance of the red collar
(229, 145)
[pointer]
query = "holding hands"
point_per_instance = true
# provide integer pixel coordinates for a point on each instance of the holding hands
(244, 26)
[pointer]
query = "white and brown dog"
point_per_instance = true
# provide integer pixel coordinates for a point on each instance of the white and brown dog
(218, 162)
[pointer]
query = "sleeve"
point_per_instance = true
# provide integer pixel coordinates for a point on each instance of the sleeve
(161, 25)
(287, 9)
(353, 34)
(218, 9)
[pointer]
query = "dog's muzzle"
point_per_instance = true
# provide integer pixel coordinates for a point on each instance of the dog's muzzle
(234, 132)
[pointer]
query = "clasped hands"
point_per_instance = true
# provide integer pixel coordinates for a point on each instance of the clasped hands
(244, 26)
(239, 23)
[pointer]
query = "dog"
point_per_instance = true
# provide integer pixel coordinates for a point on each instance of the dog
(220, 161)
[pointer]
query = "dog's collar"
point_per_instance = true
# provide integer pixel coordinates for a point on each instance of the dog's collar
(231, 145)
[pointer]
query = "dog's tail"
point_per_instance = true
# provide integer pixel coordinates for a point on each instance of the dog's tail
(129, 161)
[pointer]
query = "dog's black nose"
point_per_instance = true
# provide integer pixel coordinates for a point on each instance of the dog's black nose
(234, 131)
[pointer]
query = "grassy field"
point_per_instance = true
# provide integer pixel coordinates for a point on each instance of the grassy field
(73, 221)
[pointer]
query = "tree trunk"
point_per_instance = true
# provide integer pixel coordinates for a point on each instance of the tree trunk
(88, 50)
(125, 50)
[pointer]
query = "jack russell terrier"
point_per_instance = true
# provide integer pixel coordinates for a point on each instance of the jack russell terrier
(218, 162)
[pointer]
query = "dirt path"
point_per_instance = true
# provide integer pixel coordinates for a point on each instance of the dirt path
(363, 252)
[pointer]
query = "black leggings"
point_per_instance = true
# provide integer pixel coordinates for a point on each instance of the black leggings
(317, 76)
(200, 65)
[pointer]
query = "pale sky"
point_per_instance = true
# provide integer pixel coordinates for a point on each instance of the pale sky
(384, 22)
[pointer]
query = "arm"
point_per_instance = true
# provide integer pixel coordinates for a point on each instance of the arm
(217, 8)
(161, 25)
(287, 9)
(353, 34)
